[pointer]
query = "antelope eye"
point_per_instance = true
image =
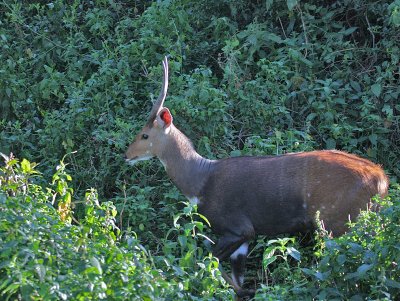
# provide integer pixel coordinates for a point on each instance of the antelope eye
(145, 136)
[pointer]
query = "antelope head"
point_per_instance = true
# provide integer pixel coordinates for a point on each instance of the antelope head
(150, 140)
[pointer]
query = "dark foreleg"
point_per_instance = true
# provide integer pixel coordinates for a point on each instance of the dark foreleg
(234, 244)
(238, 263)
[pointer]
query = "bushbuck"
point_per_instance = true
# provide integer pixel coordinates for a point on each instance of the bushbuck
(245, 196)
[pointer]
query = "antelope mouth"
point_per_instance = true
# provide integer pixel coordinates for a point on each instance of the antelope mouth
(134, 160)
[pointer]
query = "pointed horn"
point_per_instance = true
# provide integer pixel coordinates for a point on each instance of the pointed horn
(157, 106)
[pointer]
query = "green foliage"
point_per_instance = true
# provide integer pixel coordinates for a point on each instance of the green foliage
(80, 76)
(361, 265)
(364, 263)
(246, 78)
(45, 257)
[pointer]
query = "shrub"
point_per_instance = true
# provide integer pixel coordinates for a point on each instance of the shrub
(247, 78)
(43, 256)
(360, 265)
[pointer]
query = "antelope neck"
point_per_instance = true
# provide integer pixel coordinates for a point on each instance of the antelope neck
(186, 168)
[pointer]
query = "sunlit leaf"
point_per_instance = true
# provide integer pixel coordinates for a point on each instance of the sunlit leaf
(96, 263)
(294, 253)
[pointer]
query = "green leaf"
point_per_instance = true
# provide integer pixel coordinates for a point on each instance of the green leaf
(294, 253)
(340, 100)
(48, 69)
(268, 260)
(11, 288)
(308, 272)
(96, 263)
(361, 271)
(395, 13)
(26, 166)
(373, 138)
(376, 89)
(355, 85)
(311, 116)
(299, 56)
(322, 276)
(330, 143)
(235, 153)
(182, 240)
(291, 4)
(341, 259)
(273, 37)
(392, 283)
(268, 4)
(364, 268)
(41, 271)
(349, 31)
(176, 218)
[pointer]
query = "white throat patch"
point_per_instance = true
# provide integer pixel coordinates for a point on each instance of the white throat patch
(163, 163)
(134, 161)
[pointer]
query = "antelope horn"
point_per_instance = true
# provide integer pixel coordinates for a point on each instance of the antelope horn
(157, 106)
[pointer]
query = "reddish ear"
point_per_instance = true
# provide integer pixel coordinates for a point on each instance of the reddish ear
(166, 117)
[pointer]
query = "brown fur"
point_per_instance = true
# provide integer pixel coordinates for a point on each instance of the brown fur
(270, 195)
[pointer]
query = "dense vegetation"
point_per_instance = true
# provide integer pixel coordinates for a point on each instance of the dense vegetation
(45, 257)
(247, 77)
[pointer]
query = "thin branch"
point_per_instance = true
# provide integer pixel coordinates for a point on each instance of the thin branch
(123, 207)
(283, 30)
(370, 30)
(304, 27)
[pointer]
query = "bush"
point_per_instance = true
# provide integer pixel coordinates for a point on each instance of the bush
(80, 78)
(46, 257)
(246, 78)
(360, 265)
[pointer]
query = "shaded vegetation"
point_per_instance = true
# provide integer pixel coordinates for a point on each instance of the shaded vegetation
(247, 78)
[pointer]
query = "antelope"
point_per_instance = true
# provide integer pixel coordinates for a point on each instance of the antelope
(258, 195)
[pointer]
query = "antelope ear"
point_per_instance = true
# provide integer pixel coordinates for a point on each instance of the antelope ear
(164, 118)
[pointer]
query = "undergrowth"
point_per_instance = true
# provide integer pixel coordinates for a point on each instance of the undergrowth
(246, 78)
